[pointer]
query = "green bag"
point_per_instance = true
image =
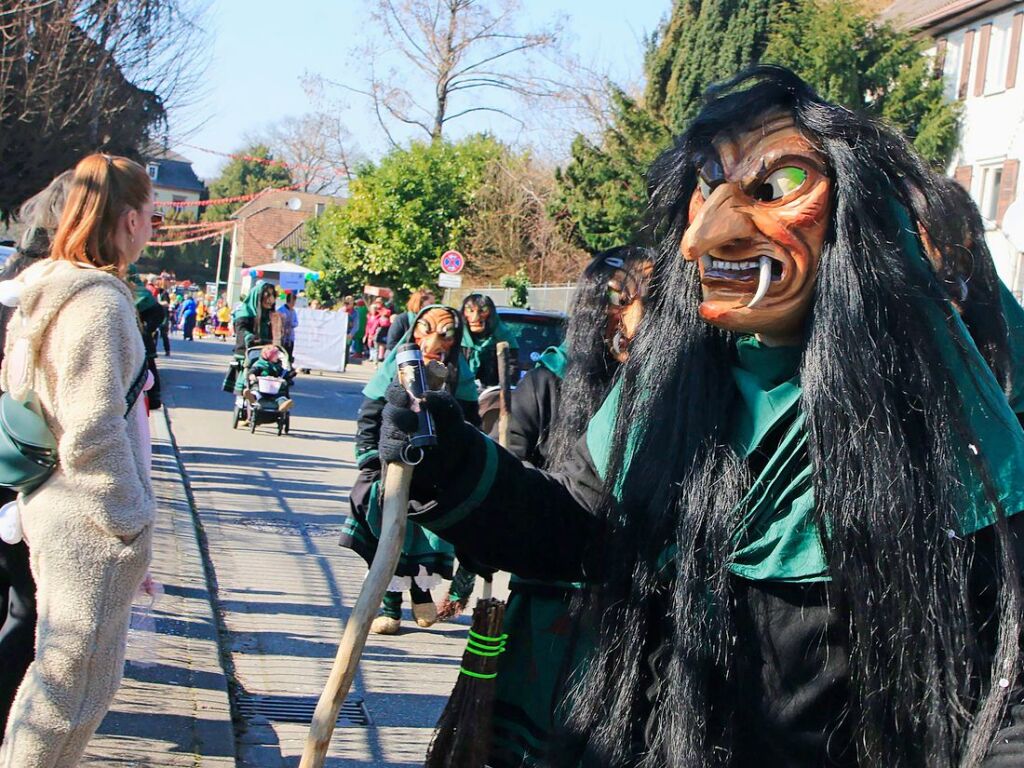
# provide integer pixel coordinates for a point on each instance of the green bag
(28, 450)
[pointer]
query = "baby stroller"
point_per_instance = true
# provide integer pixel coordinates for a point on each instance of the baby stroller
(261, 397)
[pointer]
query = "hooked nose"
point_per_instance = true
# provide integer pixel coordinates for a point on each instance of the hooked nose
(720, 223)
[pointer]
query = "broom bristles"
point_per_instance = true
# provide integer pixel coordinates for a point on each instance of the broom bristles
(462, 737)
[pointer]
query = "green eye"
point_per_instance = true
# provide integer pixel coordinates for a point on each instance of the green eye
(780, 183)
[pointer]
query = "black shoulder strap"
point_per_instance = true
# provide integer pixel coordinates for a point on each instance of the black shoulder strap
(136, 389)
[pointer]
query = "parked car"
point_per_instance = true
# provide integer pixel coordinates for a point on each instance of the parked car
(535, 330)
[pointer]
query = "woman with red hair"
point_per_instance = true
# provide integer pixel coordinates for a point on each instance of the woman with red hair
(74, 346)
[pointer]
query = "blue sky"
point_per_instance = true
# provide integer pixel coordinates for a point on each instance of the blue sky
(263, 49)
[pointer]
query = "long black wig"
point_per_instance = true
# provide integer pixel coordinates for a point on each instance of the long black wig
(591, 367)
(883, 421)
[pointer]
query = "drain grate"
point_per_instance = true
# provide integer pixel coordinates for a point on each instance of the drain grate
(298, 709)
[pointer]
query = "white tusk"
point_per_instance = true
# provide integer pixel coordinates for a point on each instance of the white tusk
(764, 281)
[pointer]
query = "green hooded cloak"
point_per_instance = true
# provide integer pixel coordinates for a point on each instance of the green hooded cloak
(465, 390)
(476, 349)
(250, 308)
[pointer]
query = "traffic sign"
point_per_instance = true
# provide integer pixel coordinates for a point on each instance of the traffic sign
(445, 280)
(452, 262)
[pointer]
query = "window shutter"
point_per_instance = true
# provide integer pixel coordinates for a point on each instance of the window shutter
(1007, 188)
(962, 176)
(979, 75)
(1014, 57)
(940, 57)
(965, 65)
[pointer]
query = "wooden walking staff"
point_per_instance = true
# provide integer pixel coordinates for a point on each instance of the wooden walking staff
(395, 510)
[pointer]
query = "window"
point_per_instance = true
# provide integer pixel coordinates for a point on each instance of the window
(320, 208)
(988, 201)
(178, 198)
(998, 53)
(951, 65)
(152, 169)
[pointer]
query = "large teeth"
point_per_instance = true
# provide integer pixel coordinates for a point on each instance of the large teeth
(710, 263)
(764, 280)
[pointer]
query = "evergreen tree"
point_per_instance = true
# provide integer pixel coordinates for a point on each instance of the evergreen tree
(244, 176)
(603, 190)
(840, 49)
(703, 41)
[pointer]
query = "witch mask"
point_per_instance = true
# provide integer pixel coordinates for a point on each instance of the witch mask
(476, 317)
(757, 222)
(627, 290)
(435, 333)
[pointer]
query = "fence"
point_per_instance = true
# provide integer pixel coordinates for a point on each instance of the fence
(555, 298)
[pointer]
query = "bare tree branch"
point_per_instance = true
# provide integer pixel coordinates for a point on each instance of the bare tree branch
(79, 76)
(448, 48)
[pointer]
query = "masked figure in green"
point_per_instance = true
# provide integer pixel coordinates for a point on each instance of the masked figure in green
(426, 559)
(484, 329)
(796, 512)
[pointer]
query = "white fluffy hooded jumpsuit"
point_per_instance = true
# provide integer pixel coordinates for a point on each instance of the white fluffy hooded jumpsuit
(76, 342)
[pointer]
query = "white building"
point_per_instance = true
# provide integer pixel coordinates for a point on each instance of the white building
(978, 49)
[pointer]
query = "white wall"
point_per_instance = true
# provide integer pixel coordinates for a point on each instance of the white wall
(992, 129)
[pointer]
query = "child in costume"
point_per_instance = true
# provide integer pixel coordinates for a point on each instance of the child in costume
(549, 411)
(797, 508)
(426, 559)
(270, 364)
(484, 330)
(223, 319)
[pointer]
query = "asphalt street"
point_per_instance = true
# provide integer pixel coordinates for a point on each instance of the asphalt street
(270, 509)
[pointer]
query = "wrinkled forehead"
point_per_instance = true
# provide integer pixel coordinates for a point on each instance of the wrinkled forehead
(437, 317)
(745, 150)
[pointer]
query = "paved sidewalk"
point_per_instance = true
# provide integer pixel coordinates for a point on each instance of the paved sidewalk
(172, 711)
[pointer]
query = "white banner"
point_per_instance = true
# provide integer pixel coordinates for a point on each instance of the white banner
(320, 340)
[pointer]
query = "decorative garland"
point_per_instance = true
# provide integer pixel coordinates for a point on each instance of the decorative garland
(342, 171)
(166, 243)
(221, 200)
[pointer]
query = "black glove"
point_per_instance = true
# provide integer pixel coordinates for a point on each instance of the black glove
(399, 421)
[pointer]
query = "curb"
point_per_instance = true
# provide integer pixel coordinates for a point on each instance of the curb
(211, 592)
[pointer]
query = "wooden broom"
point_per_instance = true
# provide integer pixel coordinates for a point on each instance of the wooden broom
(462, 738)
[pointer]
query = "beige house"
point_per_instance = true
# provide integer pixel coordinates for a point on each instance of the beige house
(174, 180)
(977, 48)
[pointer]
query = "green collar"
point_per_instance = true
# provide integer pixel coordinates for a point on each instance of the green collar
(555, 359)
